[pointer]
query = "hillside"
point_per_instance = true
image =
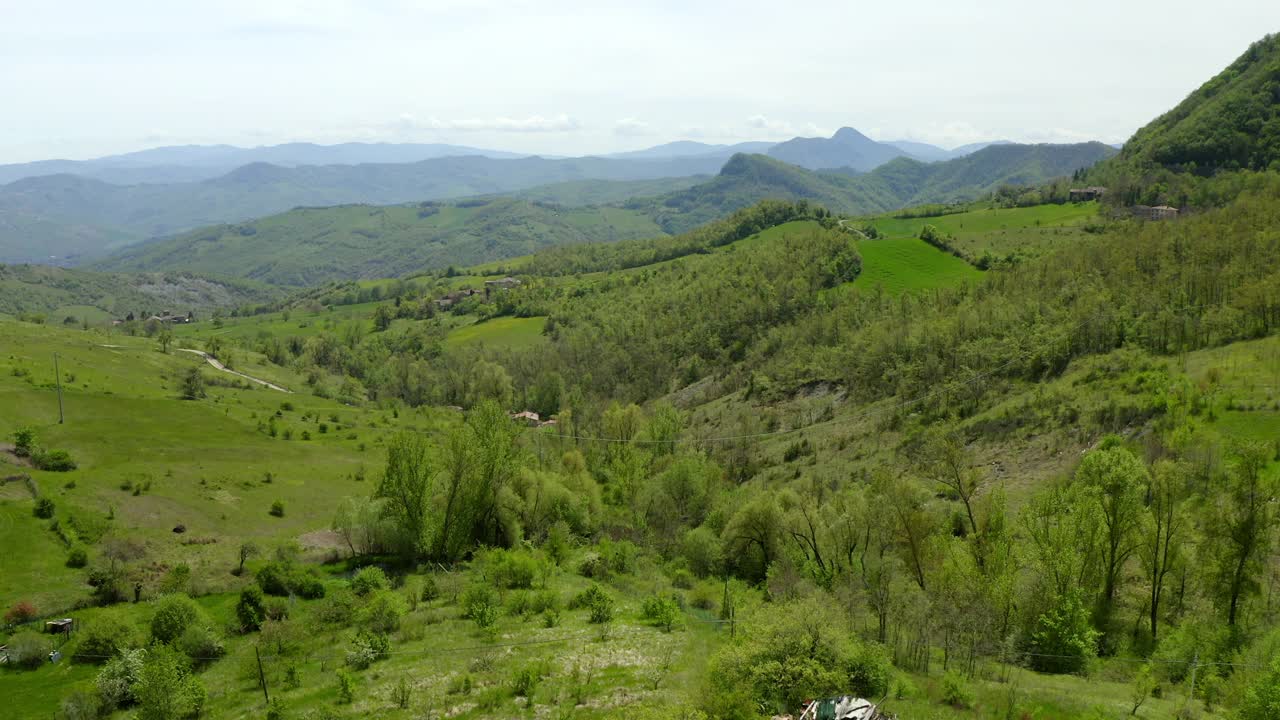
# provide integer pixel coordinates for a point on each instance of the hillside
(847, 148)
(75, 215)
(308, 246)
(1231, 122)
(82, 295)
(902, 182)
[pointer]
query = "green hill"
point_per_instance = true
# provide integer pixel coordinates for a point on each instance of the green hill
(72, 217)
(1230, 122)
(747, 179)
(309, 246)
(60, 293)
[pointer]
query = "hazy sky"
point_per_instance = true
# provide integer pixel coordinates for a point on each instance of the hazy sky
(81, 78)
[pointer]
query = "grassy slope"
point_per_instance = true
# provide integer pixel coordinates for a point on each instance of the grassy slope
(504, 332)
(206, 460)
(1025, 232)
(309, 246)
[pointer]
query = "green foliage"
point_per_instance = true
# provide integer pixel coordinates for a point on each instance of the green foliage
(367, 647)
(955, 691)
(368, 580)
(109, 633)
(661, 610)
(1064, 640)
(383, 612)
(173, 615)
(277, 507)
(792, 652)
(118, 680)
(193, 384)
(250, 609)
(346, 687)
(27, 649)
(44, 508)
(24, 441)
(166, 689)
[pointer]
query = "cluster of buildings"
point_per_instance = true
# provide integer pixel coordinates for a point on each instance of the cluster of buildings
(457, 296)
(165, 317)
(1146, 212)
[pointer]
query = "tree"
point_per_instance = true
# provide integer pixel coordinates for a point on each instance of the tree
(1063, 641)
(1144, 683)
(950, 465)
(165, 338)
(1242, 518)
(407, 485)
(1116, 480)
(247, 550)
(251, 608)
(173, 615)
(751, 538)
(24, 441)
(166, 688)
(193, 385)
(1262, 699)
(382, 318)
(1161, 548)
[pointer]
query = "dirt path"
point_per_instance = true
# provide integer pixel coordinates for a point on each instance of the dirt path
(214, 362)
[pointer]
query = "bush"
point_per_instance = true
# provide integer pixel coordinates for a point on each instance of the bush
(1064, 640)
(477, 599)
(369, 579)
(249, 610)
(27, 649)
(367, 648)
(44, 508)
(430, 588)
(308, 586)
(338, 608)
(274, 578)
(955, 691)
(24, 442)
(53, 460)
(21, 612)
(789, 652)
(703, 551)
(80, 705)
(201, 644)
(77, 557)
(513, 569)
(525, 682)
(277, 508)
(662, 611)
(105, 636)
(119, 678)
(173, 615)
(383, 613)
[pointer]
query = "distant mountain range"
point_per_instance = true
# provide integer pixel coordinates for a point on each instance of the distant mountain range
(63, 212)
(747, 179)
(311, 245)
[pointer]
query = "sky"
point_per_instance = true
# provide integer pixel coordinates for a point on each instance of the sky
(85, 78)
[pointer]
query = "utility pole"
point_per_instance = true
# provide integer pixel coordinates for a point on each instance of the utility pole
(262, 677)
(58, 376)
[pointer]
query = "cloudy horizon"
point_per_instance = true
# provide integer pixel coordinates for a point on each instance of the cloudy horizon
(84, 80)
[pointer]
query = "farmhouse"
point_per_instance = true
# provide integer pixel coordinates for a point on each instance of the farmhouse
(1086, 194)
(528, 417)
(505, 283)
(454, 298)
(1159, 212)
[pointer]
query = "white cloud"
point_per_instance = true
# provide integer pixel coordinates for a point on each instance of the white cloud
(631, 127)
(531, 124)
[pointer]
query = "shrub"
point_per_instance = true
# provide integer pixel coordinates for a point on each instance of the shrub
(307, 585)
(276, 709)
(105, 636)
(249, 610)
(369, 579)
(477, 599)
(402, 693)
(367, 648)
(24, 442)
(525, 682)
(955, 691)
(339, 608)
(513, 569)
(173, 615)
(21, 612)
(383, 613)
(703, 551)
(201, 644)
(430, 588)
(277, 508)
(276, 608)
(1064, 639)
(53, 460)
(27, 649)
(550, 618)
(274, 578)
(44, 508)
(80, 705)
(119, 678)
(662, 611)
